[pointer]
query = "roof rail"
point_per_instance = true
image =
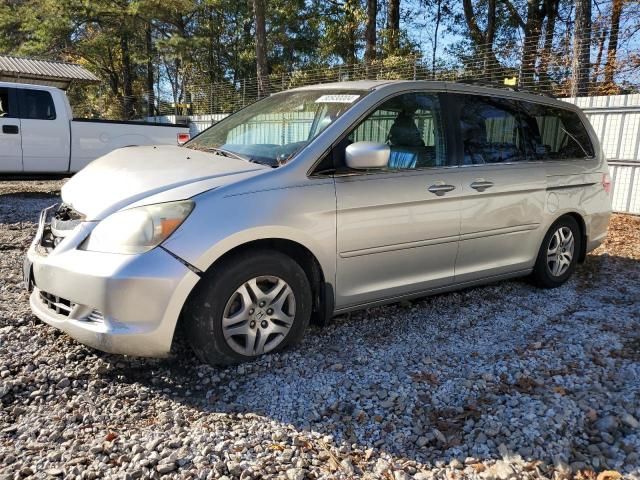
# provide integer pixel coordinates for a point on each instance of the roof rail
(513, 88)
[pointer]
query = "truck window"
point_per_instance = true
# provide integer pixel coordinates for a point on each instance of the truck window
(553, 133)
(36, 105)
(6, 110)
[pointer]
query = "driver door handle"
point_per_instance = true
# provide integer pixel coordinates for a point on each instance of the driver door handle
(441, 189)
(481, 185)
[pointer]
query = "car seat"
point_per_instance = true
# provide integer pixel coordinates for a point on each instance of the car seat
(406, 142)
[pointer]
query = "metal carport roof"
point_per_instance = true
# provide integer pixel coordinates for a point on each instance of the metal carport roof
(43, 72)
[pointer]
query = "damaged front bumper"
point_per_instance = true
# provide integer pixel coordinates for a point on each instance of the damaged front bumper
(124, 304)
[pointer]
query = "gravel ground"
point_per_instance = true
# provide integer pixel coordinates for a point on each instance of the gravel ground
(505, 381)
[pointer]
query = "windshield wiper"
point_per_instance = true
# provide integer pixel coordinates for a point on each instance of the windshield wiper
(223, 152)
(229, 153)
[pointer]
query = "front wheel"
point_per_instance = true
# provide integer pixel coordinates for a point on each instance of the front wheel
(558, 255)
(249, 305)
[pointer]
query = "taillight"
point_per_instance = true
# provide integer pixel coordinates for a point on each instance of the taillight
(606, 183)
(183, 138)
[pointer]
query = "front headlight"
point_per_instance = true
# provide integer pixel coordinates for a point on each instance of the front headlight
(138, 229)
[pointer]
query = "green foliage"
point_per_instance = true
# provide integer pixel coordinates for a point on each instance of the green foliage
(169, 48)
(163, 56)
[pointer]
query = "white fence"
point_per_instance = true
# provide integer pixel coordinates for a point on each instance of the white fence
(197, 123)
(626, 186)
(615, 118)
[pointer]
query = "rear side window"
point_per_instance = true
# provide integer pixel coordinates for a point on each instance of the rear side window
(36, 105)
(7, 109)
(553, 133)
(490, 130)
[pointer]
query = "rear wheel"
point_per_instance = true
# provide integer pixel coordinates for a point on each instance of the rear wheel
(558, 255)
(249, 305)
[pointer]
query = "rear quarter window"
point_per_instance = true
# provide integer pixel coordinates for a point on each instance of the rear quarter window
(36, 105)
(553, 133)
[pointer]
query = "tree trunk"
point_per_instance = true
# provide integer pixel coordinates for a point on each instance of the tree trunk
(261, 48)
(114, 79)
(173, 81)
(612, 48)
(490, 61)
(601, 37)
(483, 40)
(434, 50)
(150, 75)
(127, 81)
(211, 47)
(370, 31)
(580, 64)
(393, 25)
(547, 50)
(532, 30)
(350, 7)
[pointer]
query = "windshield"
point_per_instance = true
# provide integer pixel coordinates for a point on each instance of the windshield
(274, 129)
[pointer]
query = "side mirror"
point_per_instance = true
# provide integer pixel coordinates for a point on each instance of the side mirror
(367, 155)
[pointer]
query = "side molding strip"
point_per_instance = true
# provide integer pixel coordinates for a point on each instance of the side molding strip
(565, 187)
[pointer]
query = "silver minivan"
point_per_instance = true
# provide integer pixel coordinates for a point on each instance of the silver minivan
(313, 202)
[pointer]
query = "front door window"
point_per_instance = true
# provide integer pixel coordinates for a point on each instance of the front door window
(411, 124)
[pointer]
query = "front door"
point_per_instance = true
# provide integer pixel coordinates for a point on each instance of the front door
(398, 227)
(10, 135)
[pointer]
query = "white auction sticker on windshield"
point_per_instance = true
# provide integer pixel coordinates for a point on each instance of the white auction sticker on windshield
(337, 98)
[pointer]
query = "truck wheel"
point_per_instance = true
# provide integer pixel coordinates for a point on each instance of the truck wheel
(251, 304)
(558, 255)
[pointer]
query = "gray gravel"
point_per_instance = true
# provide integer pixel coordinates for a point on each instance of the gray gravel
(505, 381)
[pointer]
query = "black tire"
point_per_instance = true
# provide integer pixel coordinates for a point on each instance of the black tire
(204, 311)
(542, 275)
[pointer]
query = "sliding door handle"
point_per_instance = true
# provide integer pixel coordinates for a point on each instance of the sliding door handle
(481, 185)
(441, 189)
(11, 129)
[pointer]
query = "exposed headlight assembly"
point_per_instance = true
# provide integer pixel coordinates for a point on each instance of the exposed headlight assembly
(139, 229)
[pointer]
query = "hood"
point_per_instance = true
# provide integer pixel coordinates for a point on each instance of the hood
(134, 174)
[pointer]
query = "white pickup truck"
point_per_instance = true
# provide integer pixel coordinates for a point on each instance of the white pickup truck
(38, 134)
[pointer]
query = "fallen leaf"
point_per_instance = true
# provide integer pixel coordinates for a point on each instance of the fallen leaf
(530, 466)
(609, 475)
(526, 384)
(585, 475)
(111, 436)
(427, 377)
(560, 390)
(592, 415)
